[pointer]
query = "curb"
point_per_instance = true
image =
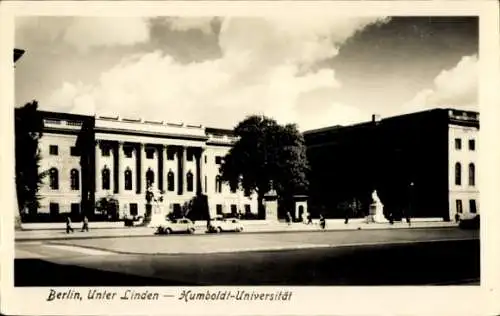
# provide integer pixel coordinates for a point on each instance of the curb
(281, 231)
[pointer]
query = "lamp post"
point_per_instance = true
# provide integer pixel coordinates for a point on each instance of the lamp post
(410, 204)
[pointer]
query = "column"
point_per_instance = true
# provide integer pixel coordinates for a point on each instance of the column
(160, 167)
(118, 148)
(98, 174)
(180, 170)
(199, 164)
(143, 169)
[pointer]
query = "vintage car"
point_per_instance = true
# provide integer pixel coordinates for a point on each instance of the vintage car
(180, 225)
(219, 225)
(469, 221)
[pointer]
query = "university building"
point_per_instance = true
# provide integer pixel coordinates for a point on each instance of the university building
(423, 164)
(88, 158)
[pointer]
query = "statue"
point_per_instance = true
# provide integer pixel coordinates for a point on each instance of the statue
(377, 209)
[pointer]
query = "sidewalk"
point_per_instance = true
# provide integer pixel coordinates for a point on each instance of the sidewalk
(332, 225)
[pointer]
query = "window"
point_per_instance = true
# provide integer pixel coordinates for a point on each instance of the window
(105, 178)
(458, 174)
(189, 181)
(133, 209)
(75, 179)
(75, 209)
(54, 179)
(205, 158)
(219, 209)
(73, 151)
(171, 181)
(128, 179)
(218, 160)
(459, 206)
(472, 144)
(105, 151)
(150, 178)
(53, 150)
(54, 209)
(234, 209)
(472, 206)
(205, 184)
(248, 208)
(458, 143)
(472, 174)
(150, 153)
(218, 184)
(189, 154)
(128, 151)
(170, 153)
(233, 190)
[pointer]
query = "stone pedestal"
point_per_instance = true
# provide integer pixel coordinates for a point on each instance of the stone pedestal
(271, 206)
(377, 213)
(300, 207)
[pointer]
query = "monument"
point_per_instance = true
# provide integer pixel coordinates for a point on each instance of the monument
(377, 209)
(158, 214)
(271, 204)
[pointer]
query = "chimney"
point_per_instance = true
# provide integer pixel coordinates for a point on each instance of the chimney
(375, 118)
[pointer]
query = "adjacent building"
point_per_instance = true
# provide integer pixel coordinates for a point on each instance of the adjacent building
(424, 164)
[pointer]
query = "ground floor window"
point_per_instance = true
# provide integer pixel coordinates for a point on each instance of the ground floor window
(75, 209)
(472, 206)
(234, 209)
(54, 209)
(248, 209)
(219, 209)
(459, 206)
(133, 209)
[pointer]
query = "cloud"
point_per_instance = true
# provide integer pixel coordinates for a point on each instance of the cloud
(81, 32)
(265, 67)
(454, 88)
(204, 24)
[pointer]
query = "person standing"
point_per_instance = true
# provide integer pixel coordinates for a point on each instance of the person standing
(68, 225)
(85, 226)
(322, 221)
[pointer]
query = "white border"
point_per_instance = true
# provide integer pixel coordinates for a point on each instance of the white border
(306, 300)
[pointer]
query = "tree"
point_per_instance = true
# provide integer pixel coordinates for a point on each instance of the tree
(266, 154)
(28, 131)
(108, 206)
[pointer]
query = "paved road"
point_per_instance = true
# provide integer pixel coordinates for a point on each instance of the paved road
(319, 258)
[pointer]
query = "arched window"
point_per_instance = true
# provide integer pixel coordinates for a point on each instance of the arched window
(105, 178)
(189, 181)
(458, 174)
(171, 181)
(54, 179)
(128, 179)
(218, 184)
(75, 179)
(472, 174)
(150, 178)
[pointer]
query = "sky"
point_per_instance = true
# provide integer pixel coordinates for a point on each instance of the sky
(215, 71)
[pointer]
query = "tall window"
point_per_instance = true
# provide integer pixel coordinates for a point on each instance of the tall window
(128, 179)
(458, 174)
(218, 184)
(458, 143)
(75, 179)
(189, 181)
(150, 153)
(170, 153)
(150, 178)
(171, 181)
(189, 154)
(54, 179)
(472, 206)
(472, 174)
(459, 206)
(218, 208)
(105, 178)
(105, 151)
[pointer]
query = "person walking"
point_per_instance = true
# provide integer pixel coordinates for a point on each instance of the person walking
(68, 225)
(322, 221)
(289, 218)
(85, 226)
(309, 219)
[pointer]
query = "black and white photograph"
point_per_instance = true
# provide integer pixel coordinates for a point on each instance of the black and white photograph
(225, 151)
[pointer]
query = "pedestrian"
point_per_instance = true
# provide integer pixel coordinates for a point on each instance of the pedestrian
(85, 226)
(322, 221)
(457, 217)
(309, 219)
(289, 218)
(68, 225)
(346, 215)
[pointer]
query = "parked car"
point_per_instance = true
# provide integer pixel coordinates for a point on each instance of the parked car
(470, 221)
(225, 225)
(182, 225)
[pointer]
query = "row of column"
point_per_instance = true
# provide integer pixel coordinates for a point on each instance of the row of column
(118, 178)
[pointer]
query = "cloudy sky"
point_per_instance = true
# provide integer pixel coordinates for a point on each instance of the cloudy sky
(216, 70)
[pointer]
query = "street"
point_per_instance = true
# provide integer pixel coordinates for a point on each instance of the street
(377, 257)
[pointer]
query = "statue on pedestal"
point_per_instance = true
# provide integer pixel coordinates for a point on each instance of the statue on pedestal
(378, 208)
